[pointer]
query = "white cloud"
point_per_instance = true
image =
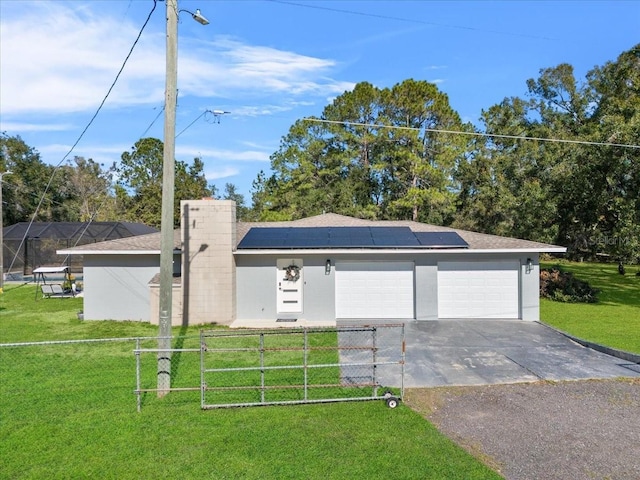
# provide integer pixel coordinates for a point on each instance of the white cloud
(225, 67)
(254, 145)
(69, 61)
(259, 110)
(209, 154)
(105, 155)
(34, 127)
(222, 173)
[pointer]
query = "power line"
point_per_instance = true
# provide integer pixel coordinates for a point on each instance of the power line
(216, 115)
(154, 121)
(408, 20)
(477, 134)
(196, 119)
(113, 84)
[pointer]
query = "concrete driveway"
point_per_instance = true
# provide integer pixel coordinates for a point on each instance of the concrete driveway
(486, 352)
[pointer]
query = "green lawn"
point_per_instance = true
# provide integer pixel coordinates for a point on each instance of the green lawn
(614, 321)
(69, 411)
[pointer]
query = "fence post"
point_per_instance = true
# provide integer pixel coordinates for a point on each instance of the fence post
(138, 393)
(262, 367)
(305, 362)
(402, 362)
(375, 359)
(203, 386)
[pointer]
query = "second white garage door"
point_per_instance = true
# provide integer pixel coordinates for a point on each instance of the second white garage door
(374, 290)
(478, 289)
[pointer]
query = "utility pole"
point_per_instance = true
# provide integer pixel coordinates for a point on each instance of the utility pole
(168, 184)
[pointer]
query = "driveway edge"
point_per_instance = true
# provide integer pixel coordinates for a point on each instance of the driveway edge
(628, 356)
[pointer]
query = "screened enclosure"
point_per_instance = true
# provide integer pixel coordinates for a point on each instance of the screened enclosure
(26, 247)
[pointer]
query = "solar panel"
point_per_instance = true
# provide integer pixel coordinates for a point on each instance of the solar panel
(441, 240)
(347, 237)
(394, 237)
(350, 237)
(268, 237)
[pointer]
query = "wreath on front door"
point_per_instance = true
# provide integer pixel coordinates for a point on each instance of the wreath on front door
(292, 273)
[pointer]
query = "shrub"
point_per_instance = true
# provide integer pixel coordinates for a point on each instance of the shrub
(562, 286)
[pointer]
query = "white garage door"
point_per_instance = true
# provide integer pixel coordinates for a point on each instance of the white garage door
(478, 289)
(374, 290)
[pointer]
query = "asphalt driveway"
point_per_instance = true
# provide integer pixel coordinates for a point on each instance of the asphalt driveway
(489, 352)
(553, 430)
(582, 430)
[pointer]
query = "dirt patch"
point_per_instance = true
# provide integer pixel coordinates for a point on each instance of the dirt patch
(579, 430)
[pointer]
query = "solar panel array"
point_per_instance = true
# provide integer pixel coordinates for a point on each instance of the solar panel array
(347, 237)
(441, 240)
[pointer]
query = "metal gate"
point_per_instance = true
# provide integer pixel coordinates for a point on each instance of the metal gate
(294, 366)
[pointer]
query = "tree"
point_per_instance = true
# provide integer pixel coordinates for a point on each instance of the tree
(417, 170)
(616, 94)
(140, 191)
(25, 187)
(372, 154)
(140, 174)
(504, 189)
(583, 196)
(231, 193)
(91, 185)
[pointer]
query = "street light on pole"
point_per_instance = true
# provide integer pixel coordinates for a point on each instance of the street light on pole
(2, 174)
(168, 188)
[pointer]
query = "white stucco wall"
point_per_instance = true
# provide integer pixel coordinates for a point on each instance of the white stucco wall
(116, 287)
(256, 283)
(530, 288)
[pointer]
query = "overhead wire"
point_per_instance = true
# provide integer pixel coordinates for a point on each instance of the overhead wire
(215, 113)
(196, 119)
(154, 121)
(316, 6)
(477, 134)
(91, 219)
(113, 84)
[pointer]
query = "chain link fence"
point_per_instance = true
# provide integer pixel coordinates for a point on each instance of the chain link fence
(218, 368)
(69, 376)
(301, 365)
(65, 377)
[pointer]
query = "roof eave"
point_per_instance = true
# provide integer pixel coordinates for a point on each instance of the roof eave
(386, 251)
(113, 252)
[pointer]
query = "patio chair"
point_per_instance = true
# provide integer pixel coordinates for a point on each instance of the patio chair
(47, 290)
(57, 290)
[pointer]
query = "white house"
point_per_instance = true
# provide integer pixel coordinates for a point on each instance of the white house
(312, 271)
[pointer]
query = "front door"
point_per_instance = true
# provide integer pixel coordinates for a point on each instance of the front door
(289, 285)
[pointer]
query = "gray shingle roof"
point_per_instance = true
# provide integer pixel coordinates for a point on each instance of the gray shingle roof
(140, 243)
(477, 241)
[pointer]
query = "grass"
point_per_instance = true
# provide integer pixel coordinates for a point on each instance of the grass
(613, 321)
(68, 411)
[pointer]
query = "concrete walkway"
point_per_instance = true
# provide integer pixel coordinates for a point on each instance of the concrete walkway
(486, 352)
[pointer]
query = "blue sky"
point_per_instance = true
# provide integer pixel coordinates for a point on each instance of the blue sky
(271, 63)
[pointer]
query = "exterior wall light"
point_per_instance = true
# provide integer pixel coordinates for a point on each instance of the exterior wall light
(327, 267)
(529, 265)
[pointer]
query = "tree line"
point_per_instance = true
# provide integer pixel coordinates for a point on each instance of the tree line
(561, 165)
(82, 190)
